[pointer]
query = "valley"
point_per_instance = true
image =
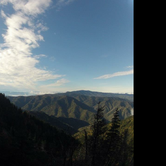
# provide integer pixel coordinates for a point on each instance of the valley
(76, 108)
(59, 128)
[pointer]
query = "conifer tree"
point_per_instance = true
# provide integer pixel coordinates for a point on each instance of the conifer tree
(124, 149)
(96, 139)
(113, 141)
(86, 145)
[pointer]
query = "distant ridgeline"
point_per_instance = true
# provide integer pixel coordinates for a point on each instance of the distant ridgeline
(100, 94)
(76, 93)
(80, 105)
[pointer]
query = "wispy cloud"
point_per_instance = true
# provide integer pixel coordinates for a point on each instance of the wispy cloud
(23, 33)
(129, 67)
(28, 7)
(121, 73)
(59, 82)
(62, 3)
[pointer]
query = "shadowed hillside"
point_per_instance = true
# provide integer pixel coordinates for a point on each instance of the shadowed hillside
(69, 125)
(25, 140)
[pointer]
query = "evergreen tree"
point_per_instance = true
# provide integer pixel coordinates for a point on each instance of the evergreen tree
(113, 142)
(124, 149)
(96, 139)
(86, 145)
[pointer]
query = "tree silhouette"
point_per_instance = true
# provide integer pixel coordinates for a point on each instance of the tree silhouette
(113, 141)
(96, 139)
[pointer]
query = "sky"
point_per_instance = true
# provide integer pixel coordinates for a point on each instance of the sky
(50, 46)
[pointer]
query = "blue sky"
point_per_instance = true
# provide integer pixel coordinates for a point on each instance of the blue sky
(49, 46)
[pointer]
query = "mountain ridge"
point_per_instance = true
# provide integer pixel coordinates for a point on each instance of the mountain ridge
(73, 93)
(74, 105)
(98, 94)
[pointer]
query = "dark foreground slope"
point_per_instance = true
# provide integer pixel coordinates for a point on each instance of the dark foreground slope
(25, 140)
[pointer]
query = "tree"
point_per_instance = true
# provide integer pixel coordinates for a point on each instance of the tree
(86, 145)
(96, 139)
(124, 149)
(113, 141)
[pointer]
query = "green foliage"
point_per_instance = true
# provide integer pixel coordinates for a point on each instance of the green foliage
(116, 143)
(74, 106)
(113, 141)
(25, 140)
(96, 141)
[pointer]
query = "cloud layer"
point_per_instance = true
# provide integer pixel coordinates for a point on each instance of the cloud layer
(121, 73)
(23, 33)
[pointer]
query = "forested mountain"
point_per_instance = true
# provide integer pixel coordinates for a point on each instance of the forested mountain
(25, 140)
(75, 106)
(58, 106)
(69, 125)
(110, 104)
(125, 124)
(99, 94)
(107, 144)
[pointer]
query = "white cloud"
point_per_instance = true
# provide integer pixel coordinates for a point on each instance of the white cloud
(39, 56)
(130, 67)
(17, 63)
(3, 14)
(57, 83)
(28, 7)
(61, 82)
(121, 73)
(41, 27)
(54, 87)
(61, 3)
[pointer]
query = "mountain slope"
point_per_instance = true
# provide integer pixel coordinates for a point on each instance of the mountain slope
(126, 124)
(79, 107)
(98, 94)
(25, 140)
(110, 104)
(66, 124)
(58, 106)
